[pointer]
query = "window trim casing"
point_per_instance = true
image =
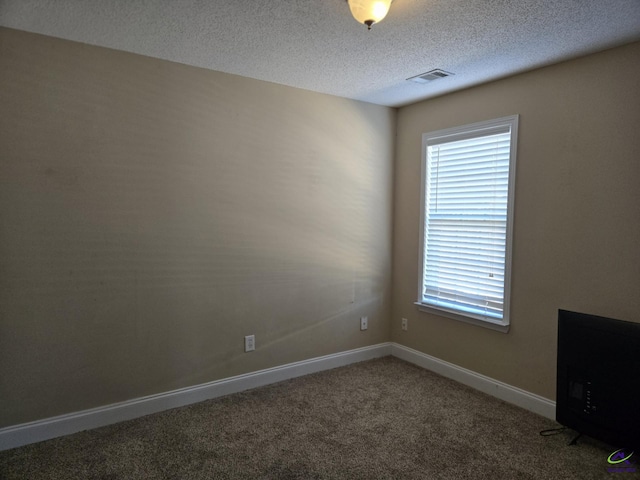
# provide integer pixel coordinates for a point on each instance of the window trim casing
(455, 133)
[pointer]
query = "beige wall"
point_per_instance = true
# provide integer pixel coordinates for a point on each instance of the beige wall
(577, 211)
(152, 214)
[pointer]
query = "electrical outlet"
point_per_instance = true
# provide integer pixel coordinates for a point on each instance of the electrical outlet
(364, 323)
(405, 324)
(249, 343)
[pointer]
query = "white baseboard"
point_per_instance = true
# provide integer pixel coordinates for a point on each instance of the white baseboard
(26, 433)
(521, 398)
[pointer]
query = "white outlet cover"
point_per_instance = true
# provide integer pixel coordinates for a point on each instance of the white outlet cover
(249, 343)
(364, 323)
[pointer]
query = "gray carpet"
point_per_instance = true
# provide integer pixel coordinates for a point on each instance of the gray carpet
(381, 419)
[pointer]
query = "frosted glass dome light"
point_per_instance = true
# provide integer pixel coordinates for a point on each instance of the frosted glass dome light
(369, 12)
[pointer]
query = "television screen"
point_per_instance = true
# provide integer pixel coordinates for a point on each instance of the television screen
(598, 377)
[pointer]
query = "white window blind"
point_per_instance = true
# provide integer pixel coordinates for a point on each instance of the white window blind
(466, 222)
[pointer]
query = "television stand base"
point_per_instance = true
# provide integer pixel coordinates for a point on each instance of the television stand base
(575, 439)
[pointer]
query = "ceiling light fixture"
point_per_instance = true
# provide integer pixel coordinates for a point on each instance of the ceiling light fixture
(369, 12)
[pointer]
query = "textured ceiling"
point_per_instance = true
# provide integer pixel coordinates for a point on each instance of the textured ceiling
(316, 44)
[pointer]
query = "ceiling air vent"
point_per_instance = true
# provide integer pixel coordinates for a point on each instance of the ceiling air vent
(430, 76)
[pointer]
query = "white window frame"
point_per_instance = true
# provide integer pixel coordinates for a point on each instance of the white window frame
(449, 135)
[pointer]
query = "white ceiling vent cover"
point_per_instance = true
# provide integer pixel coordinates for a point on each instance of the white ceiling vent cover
(430, 76)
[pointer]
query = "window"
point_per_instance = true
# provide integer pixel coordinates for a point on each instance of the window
(467, 209)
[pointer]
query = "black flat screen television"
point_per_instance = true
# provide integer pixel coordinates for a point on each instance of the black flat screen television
(598, 378)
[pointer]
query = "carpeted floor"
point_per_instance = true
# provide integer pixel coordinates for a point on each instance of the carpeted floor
(381, 419)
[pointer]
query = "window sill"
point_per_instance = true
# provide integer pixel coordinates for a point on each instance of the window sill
(492, 325)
